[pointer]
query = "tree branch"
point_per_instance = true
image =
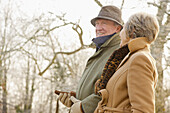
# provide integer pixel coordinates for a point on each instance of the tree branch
(46, 30)
(159, 7)
(122, 4)
(98, 3)
(80, 34)
(168, 21)
(167, 93)
(52, 61)
(34, 59)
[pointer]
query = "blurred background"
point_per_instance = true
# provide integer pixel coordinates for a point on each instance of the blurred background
(44, 45)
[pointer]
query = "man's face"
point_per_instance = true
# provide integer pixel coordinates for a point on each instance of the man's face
(105, 27)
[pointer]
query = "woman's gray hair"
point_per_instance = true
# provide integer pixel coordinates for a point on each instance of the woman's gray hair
(142, 25)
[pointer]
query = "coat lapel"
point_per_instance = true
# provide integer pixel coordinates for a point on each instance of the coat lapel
(123, 61)
(135, 45)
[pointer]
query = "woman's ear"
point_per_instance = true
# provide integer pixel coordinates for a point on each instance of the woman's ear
(128, 39)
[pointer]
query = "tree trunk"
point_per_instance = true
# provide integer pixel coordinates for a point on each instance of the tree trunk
(4, 89)
(51, 98)
(26, 101)
(158, 52)
(32, 90)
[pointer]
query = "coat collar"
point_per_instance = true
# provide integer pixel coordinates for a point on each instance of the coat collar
(135, 45)
(113, 41)
(101, 40)
(138, 43)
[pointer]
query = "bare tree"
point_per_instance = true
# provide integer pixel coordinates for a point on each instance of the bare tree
(5, 52)
(29, 89)
(35, 44)
(158, 51)
(45, 30)
(41, 45)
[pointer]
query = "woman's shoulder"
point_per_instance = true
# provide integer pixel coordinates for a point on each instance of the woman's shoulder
(142, 56)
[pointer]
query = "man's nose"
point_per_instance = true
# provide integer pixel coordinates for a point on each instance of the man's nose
(98, 27)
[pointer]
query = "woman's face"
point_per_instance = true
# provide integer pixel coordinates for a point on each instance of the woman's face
(124, 39)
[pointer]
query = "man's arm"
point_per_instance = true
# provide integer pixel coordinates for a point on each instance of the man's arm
(90, 103)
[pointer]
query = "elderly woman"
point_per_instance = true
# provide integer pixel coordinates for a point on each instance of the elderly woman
(132, 86)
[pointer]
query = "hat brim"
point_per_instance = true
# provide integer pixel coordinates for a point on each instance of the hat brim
(101, 17)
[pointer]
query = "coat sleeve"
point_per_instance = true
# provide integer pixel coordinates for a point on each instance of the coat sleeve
(140, 82)
(89, 104)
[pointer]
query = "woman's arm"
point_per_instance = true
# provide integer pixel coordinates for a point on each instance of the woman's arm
(140, 81)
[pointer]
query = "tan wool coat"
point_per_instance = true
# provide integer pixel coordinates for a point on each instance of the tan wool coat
(131, 89)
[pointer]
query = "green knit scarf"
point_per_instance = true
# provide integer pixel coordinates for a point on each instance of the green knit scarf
(110, 67)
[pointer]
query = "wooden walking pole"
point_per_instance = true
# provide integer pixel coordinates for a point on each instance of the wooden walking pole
(57, 106)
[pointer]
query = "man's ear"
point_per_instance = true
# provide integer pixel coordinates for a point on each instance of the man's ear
(118, 28)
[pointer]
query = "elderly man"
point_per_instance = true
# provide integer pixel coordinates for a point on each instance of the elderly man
(108, 24)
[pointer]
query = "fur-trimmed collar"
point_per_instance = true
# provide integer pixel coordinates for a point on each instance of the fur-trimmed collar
(110, 67)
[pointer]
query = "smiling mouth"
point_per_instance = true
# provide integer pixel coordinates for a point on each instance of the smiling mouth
(100, 34)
